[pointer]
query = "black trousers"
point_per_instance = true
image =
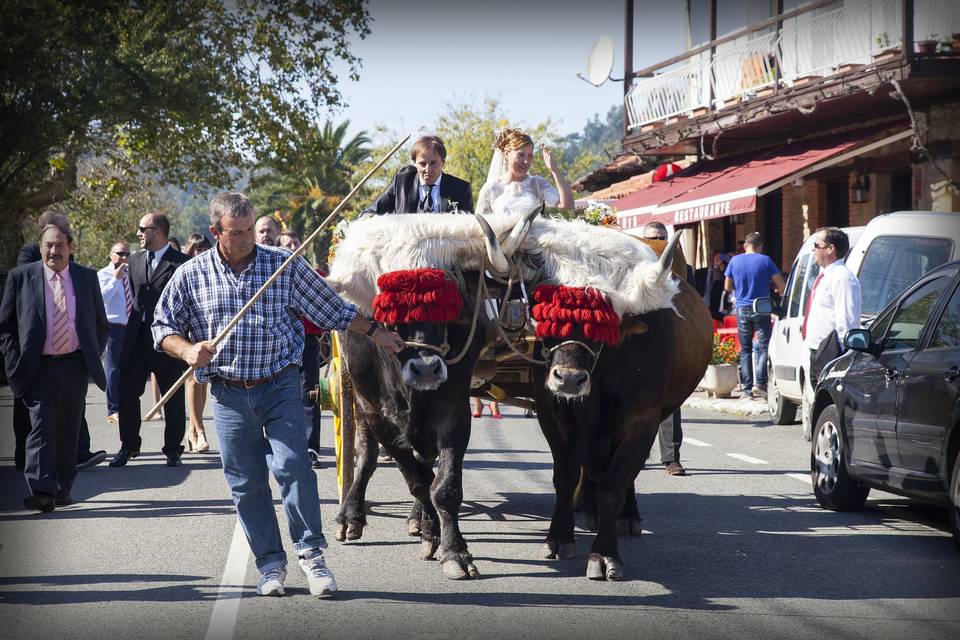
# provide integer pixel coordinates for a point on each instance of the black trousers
(310, 378)
(21, 427)
(55, 403)
(133, 382)
(671, 437)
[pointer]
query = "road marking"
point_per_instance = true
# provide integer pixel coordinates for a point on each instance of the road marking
(227, 607)
(802, 477)
(697, 443)
(745, 458)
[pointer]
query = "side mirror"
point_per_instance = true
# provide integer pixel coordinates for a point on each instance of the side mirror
(763, 306)
(858, 340)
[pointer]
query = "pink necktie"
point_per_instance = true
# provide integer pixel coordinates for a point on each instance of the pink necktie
(126, 294)
(61, 321)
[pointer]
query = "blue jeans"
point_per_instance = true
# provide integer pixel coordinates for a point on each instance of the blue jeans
(747, 323)
(242, 417)
(111, 366)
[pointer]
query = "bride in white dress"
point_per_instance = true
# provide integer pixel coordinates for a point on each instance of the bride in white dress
(509, 185)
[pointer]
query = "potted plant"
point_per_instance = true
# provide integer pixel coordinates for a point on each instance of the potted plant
(928, 46)
(721, 376)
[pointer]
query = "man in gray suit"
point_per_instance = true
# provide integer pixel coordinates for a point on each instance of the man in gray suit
(53, 330)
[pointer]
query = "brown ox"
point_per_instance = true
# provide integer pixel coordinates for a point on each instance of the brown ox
(600, 408)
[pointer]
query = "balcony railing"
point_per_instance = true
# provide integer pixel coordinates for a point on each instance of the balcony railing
(815, 42)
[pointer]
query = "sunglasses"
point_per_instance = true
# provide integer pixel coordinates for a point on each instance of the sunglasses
(821, 246)
(123, 254)
(145, 229)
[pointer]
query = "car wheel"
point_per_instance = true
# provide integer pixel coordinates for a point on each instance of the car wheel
(782, 411)
(955, 500)
(833, 485)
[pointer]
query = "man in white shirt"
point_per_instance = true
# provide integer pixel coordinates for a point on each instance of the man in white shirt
(833, 306)
(117, 301)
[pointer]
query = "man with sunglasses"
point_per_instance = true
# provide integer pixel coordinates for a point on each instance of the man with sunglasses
(118, 302)
(150, 271)
(833, 305)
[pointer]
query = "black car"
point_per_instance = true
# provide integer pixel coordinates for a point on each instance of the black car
(887, 412)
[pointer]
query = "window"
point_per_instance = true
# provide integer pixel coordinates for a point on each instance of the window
(947, 333)
(801, 281)
(907, 323)
(893, 262)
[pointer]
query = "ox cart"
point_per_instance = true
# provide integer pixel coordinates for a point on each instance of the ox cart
(504, 372)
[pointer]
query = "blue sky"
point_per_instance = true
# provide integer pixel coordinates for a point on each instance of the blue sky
(425, 54)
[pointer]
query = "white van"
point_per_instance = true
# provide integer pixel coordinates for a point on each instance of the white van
(888, 254)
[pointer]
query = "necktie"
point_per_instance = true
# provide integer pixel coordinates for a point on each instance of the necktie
(126, 293)
(149, 265)
(806, 311)
(61, 321)
(428, 199)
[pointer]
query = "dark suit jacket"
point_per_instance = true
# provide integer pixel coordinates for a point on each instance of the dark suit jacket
(23, 323)
(145, 296)
(403, 194)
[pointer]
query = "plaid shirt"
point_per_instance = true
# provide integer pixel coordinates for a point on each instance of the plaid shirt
(204, 294)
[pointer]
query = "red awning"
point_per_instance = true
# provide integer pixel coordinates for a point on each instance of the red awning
(731, 186)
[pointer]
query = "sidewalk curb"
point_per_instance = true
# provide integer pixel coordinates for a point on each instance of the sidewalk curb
(737, 406)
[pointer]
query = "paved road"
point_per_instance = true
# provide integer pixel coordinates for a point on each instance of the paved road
(737, 549)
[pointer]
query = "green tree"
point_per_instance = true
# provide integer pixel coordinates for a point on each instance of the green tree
(188, 89)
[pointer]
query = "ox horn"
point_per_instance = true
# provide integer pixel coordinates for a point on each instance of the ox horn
(498, 260)
(519, 232)
(666, 259)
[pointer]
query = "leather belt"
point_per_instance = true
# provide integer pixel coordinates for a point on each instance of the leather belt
(63, 356)
(250, 384)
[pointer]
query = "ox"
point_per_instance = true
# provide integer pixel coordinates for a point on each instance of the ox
(600, 400)
(417, 404)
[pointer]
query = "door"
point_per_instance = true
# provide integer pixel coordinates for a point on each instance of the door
(930, 388)
(838, 204)
(873, 383)
(787, 353)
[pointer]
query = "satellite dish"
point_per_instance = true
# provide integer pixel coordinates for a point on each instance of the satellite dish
(600, 61)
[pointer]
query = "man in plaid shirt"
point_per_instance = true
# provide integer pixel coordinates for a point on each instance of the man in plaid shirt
(254, 378)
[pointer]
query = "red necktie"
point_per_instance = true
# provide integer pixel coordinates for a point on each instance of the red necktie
(806, 311)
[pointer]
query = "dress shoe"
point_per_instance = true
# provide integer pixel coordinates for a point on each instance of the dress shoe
(314, 459)
(676, 469)
(63, 499)
(113, 417)
(91, 459)
(42, 502)
(123, 457)
(173, 460)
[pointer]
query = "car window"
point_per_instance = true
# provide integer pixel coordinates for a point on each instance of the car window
(801, 283)
(907, 323)
(947, 332)
(891, 263)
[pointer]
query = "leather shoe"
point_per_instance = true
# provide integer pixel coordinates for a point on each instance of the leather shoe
(42, 502)
(63, 499)
(676, 469)
(173, 460)
(91, 459)
(123, 457)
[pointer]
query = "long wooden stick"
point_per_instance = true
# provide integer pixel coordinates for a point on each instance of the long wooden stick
(296, 254)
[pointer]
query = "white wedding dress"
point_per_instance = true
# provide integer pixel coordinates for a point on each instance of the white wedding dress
(513, 197)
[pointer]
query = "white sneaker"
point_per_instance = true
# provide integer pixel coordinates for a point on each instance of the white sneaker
(319, 576)
(271, 582)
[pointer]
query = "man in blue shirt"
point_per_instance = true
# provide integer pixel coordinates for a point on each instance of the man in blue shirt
(255, 381)
(749, 276)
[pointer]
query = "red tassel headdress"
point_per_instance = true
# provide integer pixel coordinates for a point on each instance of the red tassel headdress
(560, 311)
(416, 295)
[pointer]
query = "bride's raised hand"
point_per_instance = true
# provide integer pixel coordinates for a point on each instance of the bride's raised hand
(548, 160)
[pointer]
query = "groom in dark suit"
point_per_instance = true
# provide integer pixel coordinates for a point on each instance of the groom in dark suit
(423, 187)
(53, 330)
(150, 270)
